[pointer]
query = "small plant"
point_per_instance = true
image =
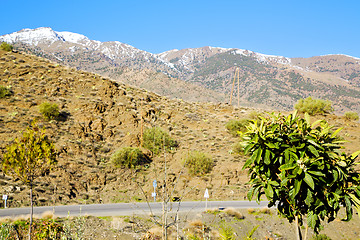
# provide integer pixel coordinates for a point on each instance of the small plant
(5, 92)
(351, 116)
(265, 210)
(227, 232)
(251, 211)
(238, 148)
(314, 106)
(321, 237)
(236, 125)
(198, 163)
(49, 110)
(128, 157)
(6, 47)
(251, 233)
(233, 213)
(156, 139)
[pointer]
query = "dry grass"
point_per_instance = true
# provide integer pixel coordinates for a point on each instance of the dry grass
(251, 210)
(196, 224)
(48, 215)
(153, 233)
(265, 210)
(232, 212)
(213, 211)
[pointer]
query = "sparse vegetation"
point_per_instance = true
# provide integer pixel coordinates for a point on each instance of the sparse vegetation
(49, 111)
(5, 92)
(321, 237)
(233, 213)
(227, 232)
(236, 125)
(198, 163)
(314, 106)
(156, 139)
(128, 157)
(351, 116)
(6, 47)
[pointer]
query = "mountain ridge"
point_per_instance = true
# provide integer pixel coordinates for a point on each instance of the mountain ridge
(275, 81)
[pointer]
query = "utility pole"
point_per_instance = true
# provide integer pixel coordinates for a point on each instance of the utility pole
(237, 74)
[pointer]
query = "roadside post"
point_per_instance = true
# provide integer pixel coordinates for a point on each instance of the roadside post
(154, 193)
(206, 196)
(5, 197)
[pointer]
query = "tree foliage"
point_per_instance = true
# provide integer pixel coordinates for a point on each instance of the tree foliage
(300, 168)
(314, 106)
(30, 156)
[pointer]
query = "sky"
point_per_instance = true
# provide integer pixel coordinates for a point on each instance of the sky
(286, 28)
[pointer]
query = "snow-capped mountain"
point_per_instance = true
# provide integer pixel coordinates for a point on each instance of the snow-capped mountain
(55, 42)
(73, 47)
(275, 80)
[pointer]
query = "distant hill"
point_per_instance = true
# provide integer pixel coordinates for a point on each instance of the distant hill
(204, 74)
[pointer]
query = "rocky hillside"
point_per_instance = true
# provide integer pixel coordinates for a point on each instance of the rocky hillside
(204, 74)
(99, 116)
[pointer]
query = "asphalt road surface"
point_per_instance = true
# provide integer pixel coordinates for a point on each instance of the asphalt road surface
(128, 209)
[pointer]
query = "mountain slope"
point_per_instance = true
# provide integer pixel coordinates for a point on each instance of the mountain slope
(204, 74)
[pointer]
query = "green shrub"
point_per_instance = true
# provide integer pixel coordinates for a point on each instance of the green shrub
(6, 47)
(238, 148)
(236, 125)
(314, 106)
(128, 157)
(49, 110)
(255, 115)
(156, 139)
(198, 163)
(321, 237)
(351, 116)
(5, 92)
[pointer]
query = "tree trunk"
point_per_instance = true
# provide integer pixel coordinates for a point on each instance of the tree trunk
(31, 211)
(297, 228)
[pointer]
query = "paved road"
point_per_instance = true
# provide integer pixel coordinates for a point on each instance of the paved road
(127, 209)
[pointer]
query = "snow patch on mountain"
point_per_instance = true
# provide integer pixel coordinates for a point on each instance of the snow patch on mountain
(263, 58)
(33, 36)
(73, 37)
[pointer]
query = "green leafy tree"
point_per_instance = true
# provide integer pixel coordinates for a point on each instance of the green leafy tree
(301, 169)
(28, 158)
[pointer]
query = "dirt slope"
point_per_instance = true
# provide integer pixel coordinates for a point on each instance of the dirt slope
(98, 117)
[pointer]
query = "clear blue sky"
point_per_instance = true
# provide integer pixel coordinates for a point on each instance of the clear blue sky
(300, 28)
